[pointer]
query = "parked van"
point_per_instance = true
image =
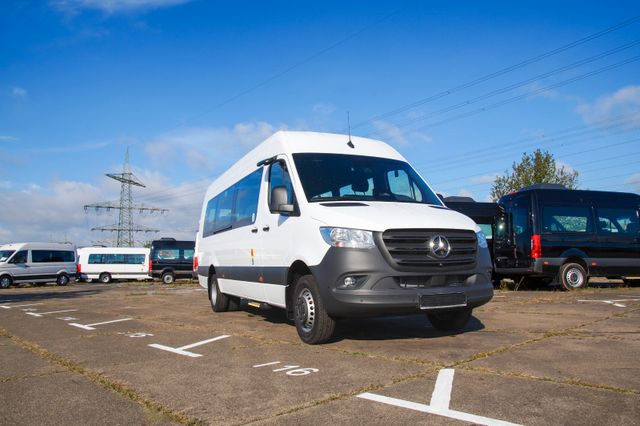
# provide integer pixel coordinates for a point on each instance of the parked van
(113, 263)
(328, 227)
(546, 232)
(482, 213)
(171, 259)
(37, 263)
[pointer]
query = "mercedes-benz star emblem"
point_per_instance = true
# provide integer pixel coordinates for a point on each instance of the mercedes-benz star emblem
(439, 246)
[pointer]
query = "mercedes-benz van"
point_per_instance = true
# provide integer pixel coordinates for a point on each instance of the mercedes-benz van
(113, 263)
(37, 263)
(327, 227)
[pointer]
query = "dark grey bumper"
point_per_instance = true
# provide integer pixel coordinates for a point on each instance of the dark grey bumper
(384, 290)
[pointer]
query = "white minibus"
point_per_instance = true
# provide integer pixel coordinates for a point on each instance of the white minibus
(113, 263)
(327, 226)
(37, 263)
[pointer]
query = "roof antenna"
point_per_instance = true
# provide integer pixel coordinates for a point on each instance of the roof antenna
(351, 145)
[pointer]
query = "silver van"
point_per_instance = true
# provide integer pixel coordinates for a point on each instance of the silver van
(37, 263)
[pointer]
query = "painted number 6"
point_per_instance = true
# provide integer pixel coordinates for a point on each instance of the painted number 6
(302, 371)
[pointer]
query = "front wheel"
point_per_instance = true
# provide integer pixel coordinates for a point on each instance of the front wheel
(572, 276)
(313, 323)
(62, 280)
(450, 321)
(5, 281)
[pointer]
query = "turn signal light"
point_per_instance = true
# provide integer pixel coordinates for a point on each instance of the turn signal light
(536, 247)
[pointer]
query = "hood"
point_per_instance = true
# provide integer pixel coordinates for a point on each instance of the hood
(380, 216)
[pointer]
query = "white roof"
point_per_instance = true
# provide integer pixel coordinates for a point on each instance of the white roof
(290, 142)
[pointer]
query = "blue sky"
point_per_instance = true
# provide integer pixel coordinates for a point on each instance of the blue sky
(190, 86)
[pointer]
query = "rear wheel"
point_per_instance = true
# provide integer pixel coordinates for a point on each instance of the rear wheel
(219, 301)
(5, 281)
(105, 278)
(313, 323)
(572, 276)
(168, 278)
(450, 321)
(63, 279)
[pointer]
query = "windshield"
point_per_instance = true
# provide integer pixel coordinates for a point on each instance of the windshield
(339, 177)
(5, 255)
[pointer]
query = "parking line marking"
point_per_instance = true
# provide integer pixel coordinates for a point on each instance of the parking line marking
(182, 350)
(441, 396)
(92, 326)
(39, 314)
(440, 400)
(18, 306)
(614, 302)
(266, 364)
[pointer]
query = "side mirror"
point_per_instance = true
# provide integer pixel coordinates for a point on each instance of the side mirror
(280, 202)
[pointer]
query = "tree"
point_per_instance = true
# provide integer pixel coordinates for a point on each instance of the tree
(539, 167)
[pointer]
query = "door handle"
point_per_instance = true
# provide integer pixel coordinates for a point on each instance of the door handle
(254, 230)
(266, 228)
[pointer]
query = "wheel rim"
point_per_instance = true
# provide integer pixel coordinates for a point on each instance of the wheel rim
(4, 282)
(63, 280)
(105, 279)
(306, 310)
(574, 277)
(214, 292)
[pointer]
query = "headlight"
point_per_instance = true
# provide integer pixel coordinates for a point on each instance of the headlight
(482, 240)
(351, 238)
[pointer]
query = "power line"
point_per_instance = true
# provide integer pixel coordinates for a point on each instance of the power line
(499, 72)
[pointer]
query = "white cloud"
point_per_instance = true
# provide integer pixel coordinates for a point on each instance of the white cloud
(394, 135)
(8, 139)
(208, 149)
(323, 108)
(634, 182)
(562, 165)
(5, 184)
(621, 102)
(18, 92)
(112, 6)
(483, 179)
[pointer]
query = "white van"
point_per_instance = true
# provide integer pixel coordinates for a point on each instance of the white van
(37, 263)
(329, 227)
(113, 263)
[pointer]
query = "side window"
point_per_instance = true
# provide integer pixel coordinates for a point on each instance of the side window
(168, 254)
(224, 210)
(40, 256)
(566, 219)
(402, 187)
(20, 257)
(247, 199)
(210, 217)
(617, 220)
(279, 176)
(188, 254)
(95, 259)
(520, 220)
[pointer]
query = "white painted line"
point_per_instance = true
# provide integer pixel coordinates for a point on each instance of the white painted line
(440, 400)
(614, 302)
(266, 364)
(67, 318)
(286, 367)
(442, 392)
(92, 326)
(182, 350)
(18, 306)
(39, 314)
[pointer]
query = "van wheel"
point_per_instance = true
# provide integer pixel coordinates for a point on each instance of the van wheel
(572, 276)
(168, 278)
(450, 321)
(219, 301)
(5, 281)
(63, 279)
(105, 278)
(234, 303)
(313, 323)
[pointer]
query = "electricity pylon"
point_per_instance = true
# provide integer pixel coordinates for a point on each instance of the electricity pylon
(125, 228)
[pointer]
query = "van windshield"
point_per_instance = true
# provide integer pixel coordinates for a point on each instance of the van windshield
(5, 255)
(339, 177)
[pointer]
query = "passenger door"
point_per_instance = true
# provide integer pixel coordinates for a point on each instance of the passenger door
(618, 240)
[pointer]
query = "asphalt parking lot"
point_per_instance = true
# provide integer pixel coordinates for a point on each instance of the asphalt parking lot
(132, 353)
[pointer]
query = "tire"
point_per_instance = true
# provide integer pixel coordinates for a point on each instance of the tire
(6, 281)
(219, 301)
(572, 276)
(62, 280)
(234, 303)
(105, 278)
(451, 320)
(168, 278)
(313, 323)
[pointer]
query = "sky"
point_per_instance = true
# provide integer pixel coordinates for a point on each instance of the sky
(461, 89)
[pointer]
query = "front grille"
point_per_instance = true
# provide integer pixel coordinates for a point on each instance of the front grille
(409, 248)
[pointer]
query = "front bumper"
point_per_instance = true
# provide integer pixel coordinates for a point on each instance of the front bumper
(383, 290)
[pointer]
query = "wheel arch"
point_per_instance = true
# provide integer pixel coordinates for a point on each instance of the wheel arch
(296, 270)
